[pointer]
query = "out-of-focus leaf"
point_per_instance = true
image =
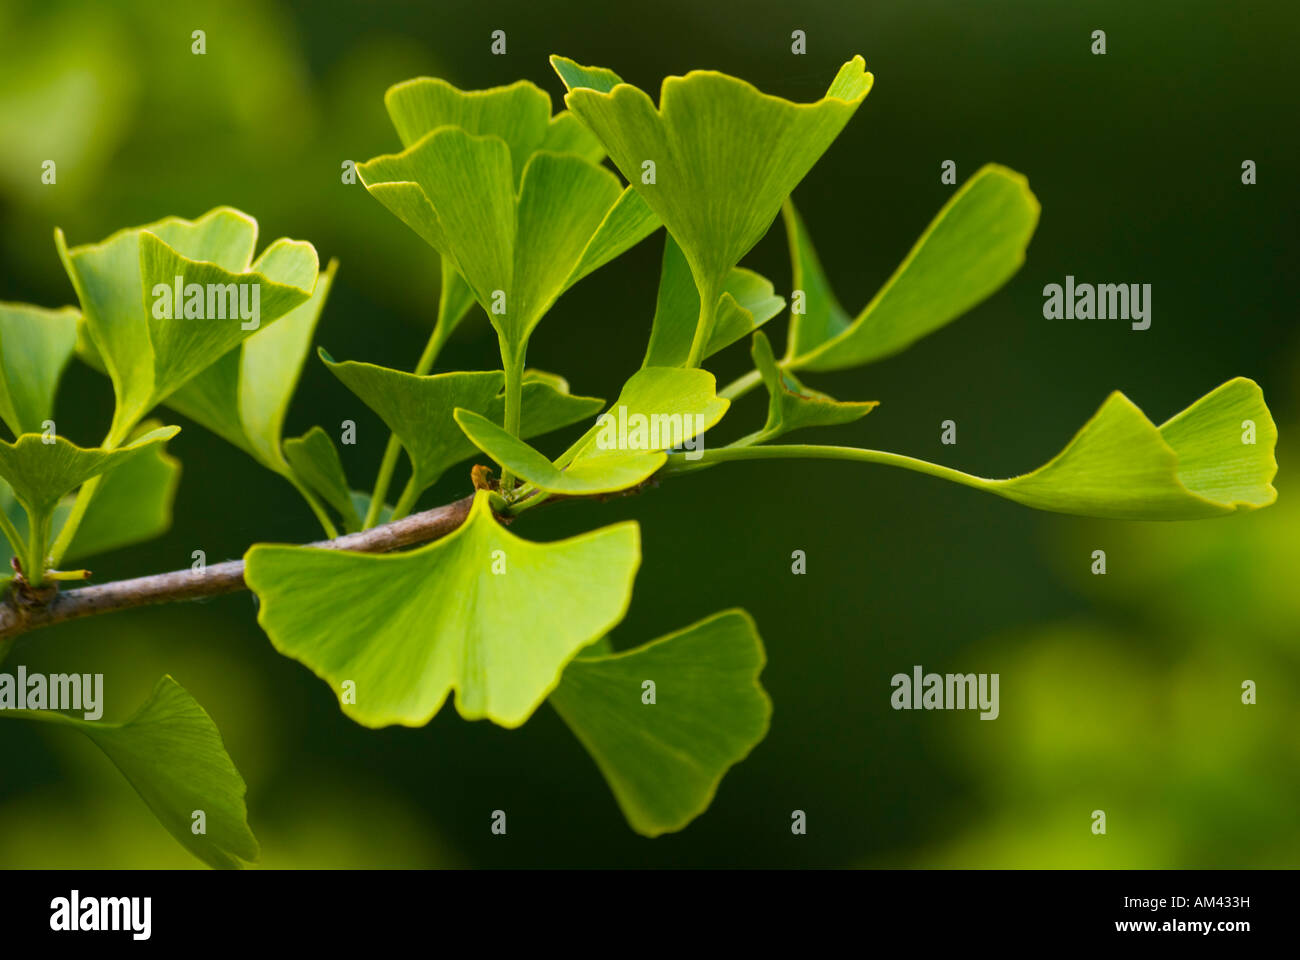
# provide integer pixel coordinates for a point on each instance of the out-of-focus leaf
(171, 752)
(35, 346)
(480, 611)
(664, 759)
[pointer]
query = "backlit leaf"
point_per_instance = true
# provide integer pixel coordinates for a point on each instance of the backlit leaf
(132, 504)
(517, 251)
(1214, 458)
(146, 357)
(975, 244)
(481, 612)
(603, 473)
(1195, 465)
(244, 396)
(725, 155)
(658, 408)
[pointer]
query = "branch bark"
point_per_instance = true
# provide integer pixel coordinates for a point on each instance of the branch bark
(19, 614)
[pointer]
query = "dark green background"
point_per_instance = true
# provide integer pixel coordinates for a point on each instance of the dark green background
(1118, 693)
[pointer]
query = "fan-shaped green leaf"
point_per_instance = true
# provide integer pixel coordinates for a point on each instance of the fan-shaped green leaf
(567, 134)
(419, 409)
(725, 155)
(747, 302)
(603, 473)
(517, 252)
(316, 462)
(664, 759)
(520, 114)
(975, 244)
(171, 752)
(244, 396)
(1214, 458)
(147, 356)
(1197, 464)
(481, 612)
(35, 346)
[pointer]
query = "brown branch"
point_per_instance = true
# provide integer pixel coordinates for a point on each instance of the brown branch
(19, 613)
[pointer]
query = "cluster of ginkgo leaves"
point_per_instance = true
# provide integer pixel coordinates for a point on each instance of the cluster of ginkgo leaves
(519, 205)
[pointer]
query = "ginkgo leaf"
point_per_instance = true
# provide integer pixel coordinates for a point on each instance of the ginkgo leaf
(184, 346)
(244, 396)
(35, 346)
(41, 473)
(747, 302)
(520, 114)
(1197, 464)
(171, 752)
(725, 156)
(604, 473)
(657, 409)
(481, 612)
(517, 251)
(1214, 458)
(567, 134)
(148, 357)
(975, 244)
(791, 405)
(315, 460)
(419, 409)
(664, 756)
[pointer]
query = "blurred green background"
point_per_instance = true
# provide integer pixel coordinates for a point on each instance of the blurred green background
(1119, 692)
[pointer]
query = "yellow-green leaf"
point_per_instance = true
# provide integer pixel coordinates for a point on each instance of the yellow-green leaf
(975, 244)
(481, 612)
(724, 156)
